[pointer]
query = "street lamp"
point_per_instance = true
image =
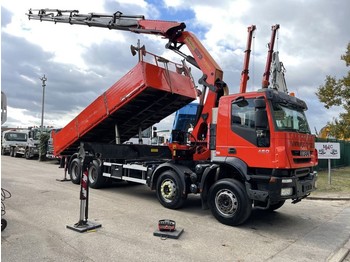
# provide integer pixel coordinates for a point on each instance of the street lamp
(43, 80)
(42, 152)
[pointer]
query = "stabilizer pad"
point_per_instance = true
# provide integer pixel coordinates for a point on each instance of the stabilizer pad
(169, 234)
(86, 227)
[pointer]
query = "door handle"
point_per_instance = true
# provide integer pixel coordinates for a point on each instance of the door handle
(232, 150)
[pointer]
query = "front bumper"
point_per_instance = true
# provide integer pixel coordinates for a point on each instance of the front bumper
(274, 189)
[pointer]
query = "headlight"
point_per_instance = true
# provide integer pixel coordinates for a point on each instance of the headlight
(288, 191)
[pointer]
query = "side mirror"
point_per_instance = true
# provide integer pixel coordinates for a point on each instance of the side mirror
(240, 101)
(261, 121)
(260, 103)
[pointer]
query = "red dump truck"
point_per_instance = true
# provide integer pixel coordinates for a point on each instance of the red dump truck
(245, 149)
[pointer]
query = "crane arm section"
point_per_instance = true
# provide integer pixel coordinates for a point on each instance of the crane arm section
(117, 21)
(266, 77)
(245, 71)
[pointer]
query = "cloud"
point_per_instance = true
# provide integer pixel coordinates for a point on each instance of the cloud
(81, 62)
(5, 17)
(68, 87)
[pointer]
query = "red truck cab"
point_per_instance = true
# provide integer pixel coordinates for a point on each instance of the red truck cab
(266, 134)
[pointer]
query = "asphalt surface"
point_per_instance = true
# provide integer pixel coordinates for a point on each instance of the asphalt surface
(40, 209)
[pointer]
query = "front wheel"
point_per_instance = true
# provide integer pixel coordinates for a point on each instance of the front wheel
(229, 202)
(169, 190)
(75, 171)
(3, 224)
(27, 154)
(12, 151)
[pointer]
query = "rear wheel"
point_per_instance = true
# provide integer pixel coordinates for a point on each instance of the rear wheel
(169, 190)
(229, 202)
(75, 171)
(96, 180)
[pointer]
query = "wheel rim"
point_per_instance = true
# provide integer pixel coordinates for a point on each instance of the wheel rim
(226, 202)
(168, 190)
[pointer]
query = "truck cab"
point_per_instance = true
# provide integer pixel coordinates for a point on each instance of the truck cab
(265, 135)
(11, 139)
(21, 143)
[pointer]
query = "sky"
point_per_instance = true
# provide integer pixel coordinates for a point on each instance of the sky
(80, 62)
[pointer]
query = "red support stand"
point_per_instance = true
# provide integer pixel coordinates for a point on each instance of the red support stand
(65, 159)
(83, 224)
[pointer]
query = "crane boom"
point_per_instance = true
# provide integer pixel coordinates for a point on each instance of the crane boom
(212, 80)
(245, 71)
(117, 21)
(266, 77)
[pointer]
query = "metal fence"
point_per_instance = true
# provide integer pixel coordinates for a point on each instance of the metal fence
(344, 154)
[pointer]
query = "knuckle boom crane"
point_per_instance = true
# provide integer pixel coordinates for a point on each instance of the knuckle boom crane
(212, 78)
(246, 149)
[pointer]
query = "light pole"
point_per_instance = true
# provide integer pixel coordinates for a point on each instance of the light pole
(42, 152)
(43, 80)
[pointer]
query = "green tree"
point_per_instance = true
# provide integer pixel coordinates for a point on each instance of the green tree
(44, 138)
(336, 92)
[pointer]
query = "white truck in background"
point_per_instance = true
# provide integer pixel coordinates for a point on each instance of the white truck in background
(19, 143)
(150, 136)
(12, 139)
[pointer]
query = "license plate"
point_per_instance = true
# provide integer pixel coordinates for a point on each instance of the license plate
(304, 153)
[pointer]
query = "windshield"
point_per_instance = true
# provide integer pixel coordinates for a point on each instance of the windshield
(37, 132)
(290, 119)
(16, 137)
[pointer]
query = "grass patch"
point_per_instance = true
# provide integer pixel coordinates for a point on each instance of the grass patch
(340, 181)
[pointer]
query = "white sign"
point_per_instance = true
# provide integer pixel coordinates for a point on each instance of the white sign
(328, 150)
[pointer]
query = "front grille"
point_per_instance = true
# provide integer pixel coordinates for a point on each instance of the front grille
(307, 188)
(301, 160)
(301, 153)
(302, 172)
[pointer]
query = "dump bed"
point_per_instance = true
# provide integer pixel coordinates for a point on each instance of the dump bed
(144, 96)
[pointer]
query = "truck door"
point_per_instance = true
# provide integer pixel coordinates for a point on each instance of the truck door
(249, 136)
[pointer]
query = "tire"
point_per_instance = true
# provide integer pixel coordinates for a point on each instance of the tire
(27, 154)
(229, 202)
(12, 151)
(75, 171)
(15, 154)
(3, 151)
(169, 190)
(3, 224)
(96, 180)
(276, 205)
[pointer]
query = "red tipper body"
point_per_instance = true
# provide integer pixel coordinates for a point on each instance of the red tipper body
(141, 98)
